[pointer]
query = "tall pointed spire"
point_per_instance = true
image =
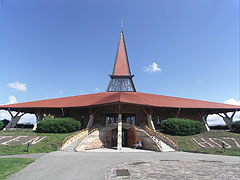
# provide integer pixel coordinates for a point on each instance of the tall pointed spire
(121, 78)
(121, 66)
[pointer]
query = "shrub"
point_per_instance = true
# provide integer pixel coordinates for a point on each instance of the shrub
(1, 125)
(236, 127)
(182, 127)
(4, 123)
(58, 125)
(219, 127)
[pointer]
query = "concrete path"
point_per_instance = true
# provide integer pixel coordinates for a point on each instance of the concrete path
(156, 165)
(32, 156)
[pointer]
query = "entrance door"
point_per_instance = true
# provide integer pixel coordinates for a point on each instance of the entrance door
(114, 137)
(124, 137)
(130, 137)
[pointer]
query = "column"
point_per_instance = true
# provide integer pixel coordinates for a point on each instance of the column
(90, 122)
(205, 123)
(39, 117)
(14, 120)
(119, 138)
(150, 122)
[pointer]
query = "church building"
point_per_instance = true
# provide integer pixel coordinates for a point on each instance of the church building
(121, 110)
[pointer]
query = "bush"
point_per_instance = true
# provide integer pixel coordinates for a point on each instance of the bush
(4, 123)
(236, 127)
(58, 125)
(182, 127)
(219, 127)
(1, 125)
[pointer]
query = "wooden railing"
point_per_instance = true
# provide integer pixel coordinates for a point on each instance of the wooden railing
(72, 138)
(156, 141)
(82, 139)
(162, 137)
(90, 132)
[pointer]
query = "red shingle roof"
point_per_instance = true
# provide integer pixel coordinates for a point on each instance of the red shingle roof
(123, 97)
(121, 67)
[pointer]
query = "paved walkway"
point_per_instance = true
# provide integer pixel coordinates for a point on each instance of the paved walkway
(32, 156)
(130, 165)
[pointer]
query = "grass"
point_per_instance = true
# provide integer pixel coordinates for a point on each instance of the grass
(49, 144)
(186, 144)
(9, 166)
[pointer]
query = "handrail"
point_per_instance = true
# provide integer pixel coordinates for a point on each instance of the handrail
(164, 138)
(73, 135)
(95, 129)
(89, 133)
(158, 143)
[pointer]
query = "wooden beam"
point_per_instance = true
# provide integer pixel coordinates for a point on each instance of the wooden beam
(63, 114)
(95, 111)
(145, 110)
(179, 110)
(173, 113)
(233, 114)
(119, 108)
(221, 115)
(22, 114)
(17, 114)
(10, 112)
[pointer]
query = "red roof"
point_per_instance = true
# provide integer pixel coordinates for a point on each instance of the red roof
(121, 67)
(136, 98)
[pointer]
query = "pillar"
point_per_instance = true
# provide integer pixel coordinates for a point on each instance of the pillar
(90, 122)
(150, 122)
(14, 120)
(228, 120)
(205, 123)
(119, 138)
(39, 117)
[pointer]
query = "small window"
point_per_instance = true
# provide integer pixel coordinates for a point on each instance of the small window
(158, 120)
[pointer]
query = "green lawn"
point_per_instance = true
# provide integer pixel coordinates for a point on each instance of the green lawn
(9, 166)
(51, 143)
(186, 144)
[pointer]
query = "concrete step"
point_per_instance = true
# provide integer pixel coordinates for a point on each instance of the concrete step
(72, 146)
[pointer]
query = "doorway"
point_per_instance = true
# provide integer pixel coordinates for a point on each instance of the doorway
(128, 137)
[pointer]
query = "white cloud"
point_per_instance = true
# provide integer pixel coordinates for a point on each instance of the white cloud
(97, 89)
(232, 101)
(217, 120)
(12, 100)
(26, 118)
(152, 68)
(18, 86)
(4, 115)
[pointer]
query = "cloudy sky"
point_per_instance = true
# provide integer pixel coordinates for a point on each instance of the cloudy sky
(57, 48)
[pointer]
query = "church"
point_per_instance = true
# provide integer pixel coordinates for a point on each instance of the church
(121, 113)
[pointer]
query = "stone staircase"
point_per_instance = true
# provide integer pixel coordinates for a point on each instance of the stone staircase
(156, 143)
(71, 147)
(167, 143)
(86, 140)
(149, 142)
(70, 143)
(92, 141)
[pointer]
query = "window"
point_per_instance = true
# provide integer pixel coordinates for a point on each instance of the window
(158, 120)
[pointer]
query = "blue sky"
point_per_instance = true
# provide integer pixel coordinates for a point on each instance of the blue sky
(57, 48)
